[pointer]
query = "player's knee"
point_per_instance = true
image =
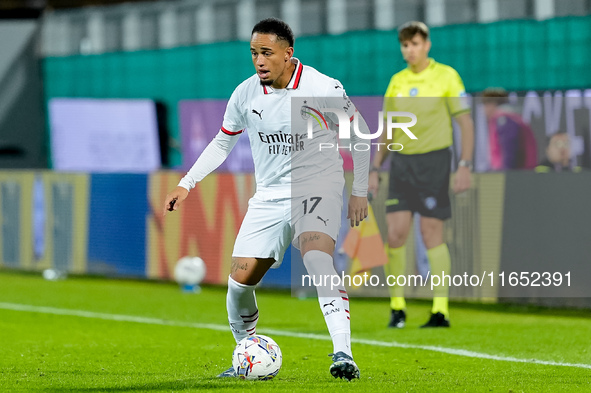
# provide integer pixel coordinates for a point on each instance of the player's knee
(432, 236)
(396, 238)
(249, 271)
(316, 241)
(241, 278)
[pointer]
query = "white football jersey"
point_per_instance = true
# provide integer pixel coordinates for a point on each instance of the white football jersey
(287, 162)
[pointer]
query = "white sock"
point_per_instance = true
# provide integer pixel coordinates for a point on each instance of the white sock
(334, 302)
(243, 312)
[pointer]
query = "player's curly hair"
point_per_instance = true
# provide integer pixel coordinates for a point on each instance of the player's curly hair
(277, 27)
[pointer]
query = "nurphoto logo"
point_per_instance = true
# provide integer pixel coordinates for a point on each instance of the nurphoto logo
(392, 122)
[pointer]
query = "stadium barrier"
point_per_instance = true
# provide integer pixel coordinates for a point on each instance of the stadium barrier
(112, 225)
(519, 55)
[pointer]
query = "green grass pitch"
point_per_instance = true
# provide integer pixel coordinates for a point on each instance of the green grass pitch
(99, 335)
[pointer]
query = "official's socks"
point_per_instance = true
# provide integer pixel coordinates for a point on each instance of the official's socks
(396, 266)
(440, 264)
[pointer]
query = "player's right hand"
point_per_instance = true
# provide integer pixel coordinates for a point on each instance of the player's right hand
(374, 183)
(174, 199)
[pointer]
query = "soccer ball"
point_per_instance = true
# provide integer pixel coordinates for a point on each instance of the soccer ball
(257, 357)
(189, 271)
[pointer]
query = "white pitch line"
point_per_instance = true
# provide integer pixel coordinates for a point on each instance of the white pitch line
(273, 332)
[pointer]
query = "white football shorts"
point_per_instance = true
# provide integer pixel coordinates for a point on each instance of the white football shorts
(269, 225)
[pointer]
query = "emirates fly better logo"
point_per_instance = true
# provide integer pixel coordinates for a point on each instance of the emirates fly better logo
(314, 116)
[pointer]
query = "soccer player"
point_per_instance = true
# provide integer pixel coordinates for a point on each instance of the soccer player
(419, 174)
(299, 187)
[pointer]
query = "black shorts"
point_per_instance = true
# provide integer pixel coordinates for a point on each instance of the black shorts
(420, 183)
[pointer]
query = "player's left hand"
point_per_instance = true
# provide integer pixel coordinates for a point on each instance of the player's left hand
(462, 180)
(357, 210)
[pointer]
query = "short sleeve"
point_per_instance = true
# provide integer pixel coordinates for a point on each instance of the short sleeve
(456, 93)
(234, 123)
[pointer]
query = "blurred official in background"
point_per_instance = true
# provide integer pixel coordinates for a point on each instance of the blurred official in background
(419, 173)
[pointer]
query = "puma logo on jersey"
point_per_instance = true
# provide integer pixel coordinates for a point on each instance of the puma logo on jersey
(330, 304)
(324, 221)
(258, 113)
